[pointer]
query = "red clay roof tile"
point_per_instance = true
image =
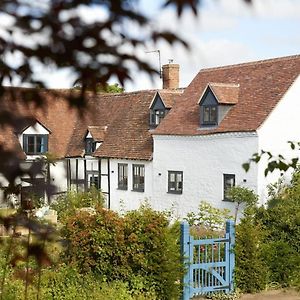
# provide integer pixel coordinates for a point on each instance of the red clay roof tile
(261, 86)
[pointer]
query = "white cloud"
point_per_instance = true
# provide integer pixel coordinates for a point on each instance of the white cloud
(288, 9)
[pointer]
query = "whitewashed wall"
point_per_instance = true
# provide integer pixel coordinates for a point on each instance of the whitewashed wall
(129, 199)
(203, 160)
(58, 176)
(282, 125)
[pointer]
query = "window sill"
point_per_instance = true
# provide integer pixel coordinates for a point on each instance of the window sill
(122, 189)
(174, 192)
(139, 191)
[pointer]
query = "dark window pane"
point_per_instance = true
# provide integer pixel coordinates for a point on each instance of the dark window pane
(122, 176)
(229, 182)
(175, 182)
(206, 114)
(138, 178)
(35, 144)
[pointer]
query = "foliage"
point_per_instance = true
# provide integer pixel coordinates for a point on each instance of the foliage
(274, 162)
(107, 88)
(66, 283)
(275, 230)
(140, 248)
(68, 203)
(208, 218)
(251, 270)
(242, 195)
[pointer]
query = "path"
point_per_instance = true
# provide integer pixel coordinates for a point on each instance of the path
(273, 295)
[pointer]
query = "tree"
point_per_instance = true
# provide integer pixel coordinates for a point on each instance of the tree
(241, 195)
(107, 88)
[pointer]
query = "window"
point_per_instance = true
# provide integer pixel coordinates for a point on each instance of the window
(90, 146)
(210, 115)
(35, 143)
(93, 181)
(122, 176)
(156, 116)
(175, 182)
(229, 182)
(138, 172)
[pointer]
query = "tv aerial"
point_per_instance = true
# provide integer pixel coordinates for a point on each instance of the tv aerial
(159, 61)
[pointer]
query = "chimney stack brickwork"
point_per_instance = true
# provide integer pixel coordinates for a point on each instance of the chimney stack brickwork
(170, 75)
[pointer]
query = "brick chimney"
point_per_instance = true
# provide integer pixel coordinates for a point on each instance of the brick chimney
(170, 76)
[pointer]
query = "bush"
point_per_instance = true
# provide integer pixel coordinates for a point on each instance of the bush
(268, 241)
(251, 270)
(208, 217)
(140, 248)
(68, 203)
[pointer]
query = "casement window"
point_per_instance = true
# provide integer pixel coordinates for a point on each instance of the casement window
(122, 176)
(35, 143)
(138, 178)
(228, 182)
(90, 146)
(156, 116)
(210, 115)
(93, 181)
(175, 182)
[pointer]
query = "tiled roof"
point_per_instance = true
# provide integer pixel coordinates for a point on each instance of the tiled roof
(97, 132)
(225, 93)
(169, 97)
(261, 86)
(119, 121)
(55, 115)
(125, 118)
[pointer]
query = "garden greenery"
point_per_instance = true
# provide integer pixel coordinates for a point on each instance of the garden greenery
(140, 248)
(268, 241)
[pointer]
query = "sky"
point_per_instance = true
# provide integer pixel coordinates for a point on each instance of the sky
(224, 32)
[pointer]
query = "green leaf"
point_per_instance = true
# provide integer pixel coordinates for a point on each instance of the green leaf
(246, 167)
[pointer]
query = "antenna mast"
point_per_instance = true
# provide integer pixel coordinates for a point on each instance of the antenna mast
(159, 61)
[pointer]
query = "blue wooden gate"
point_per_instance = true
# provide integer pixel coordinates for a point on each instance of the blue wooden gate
(209, 262)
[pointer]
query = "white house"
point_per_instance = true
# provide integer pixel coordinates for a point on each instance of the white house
(173, 147)
(225, 116)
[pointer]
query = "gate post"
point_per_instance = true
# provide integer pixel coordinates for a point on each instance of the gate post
(230, 229)
(185, 253)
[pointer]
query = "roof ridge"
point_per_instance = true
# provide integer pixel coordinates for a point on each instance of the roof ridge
(257, 62)
(224, 84)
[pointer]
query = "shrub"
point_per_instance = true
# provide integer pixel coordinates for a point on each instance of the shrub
(68, 203)
(139, 248)
(208, 217)
(251, 270)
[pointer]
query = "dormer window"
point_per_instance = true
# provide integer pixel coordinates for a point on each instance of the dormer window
(156, 116)
(215, 102)
(34, 139)
(210, 115)
(35, 144)
(90, 145)
(158, 110)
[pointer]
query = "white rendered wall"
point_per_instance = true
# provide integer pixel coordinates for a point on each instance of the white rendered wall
(129, 199)
(203, 160)
(58, 176)
(282, 125)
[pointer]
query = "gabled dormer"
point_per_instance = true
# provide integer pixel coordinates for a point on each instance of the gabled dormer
(215, 102)
(158, 110)
(34, 139)
(94, 138)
